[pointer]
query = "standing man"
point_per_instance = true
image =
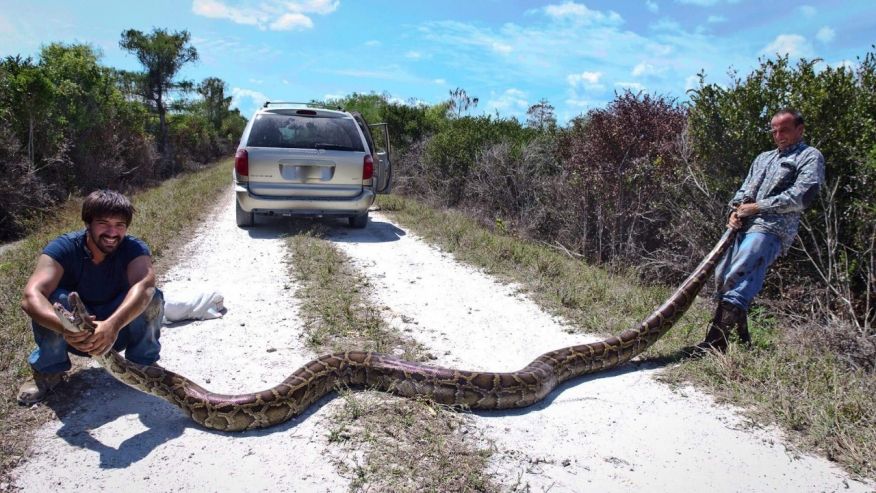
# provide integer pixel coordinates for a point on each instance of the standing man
(766, 213)
(113, 274)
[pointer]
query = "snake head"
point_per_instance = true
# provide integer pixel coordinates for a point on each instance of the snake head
(79, 319)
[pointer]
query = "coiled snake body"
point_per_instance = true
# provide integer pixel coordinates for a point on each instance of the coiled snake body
(472, 389)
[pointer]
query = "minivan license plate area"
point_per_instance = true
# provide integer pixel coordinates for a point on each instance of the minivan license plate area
(307, 172)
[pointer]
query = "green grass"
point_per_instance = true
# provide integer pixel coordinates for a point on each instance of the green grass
(165, 215)
(400, 444)
(788, 377)
(594, 300)
(337, 313)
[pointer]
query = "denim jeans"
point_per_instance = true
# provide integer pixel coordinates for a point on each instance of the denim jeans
(139, 338)
(740, 274)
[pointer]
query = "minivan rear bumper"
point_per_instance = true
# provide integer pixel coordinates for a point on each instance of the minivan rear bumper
(304, 206)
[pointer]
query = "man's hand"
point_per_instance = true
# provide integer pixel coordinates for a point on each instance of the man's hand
(78, 340)
(747, 210)
(733, 222)
(96, 343)
(103, 338)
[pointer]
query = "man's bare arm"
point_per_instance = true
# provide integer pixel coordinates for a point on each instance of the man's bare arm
(42, 283)
(35, 302)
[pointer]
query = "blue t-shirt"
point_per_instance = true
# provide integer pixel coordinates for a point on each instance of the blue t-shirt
(97, 284)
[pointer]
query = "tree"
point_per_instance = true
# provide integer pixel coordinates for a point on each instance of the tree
(162, 54)
(461, 102)
(28, 92)
(216, 104)
(540, 116)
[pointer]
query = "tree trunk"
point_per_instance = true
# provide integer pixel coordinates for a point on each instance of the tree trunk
(30, 142)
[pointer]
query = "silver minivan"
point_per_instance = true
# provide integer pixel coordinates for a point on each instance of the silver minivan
(297, 159)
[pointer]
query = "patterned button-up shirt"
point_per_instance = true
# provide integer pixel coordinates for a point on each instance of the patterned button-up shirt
(783, 183)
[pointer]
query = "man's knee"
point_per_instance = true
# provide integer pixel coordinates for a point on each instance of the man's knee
(155, 309)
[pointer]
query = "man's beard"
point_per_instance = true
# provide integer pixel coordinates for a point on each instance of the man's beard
(106, 249)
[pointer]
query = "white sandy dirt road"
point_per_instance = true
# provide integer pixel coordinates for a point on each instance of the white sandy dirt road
(617, 431)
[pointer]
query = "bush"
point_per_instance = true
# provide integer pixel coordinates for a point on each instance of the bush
(621, 160)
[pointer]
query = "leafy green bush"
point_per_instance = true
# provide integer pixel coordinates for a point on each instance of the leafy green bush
(69, 125)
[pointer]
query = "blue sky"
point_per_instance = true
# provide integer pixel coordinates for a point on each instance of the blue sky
(510, 54)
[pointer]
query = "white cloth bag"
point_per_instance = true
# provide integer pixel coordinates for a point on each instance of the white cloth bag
(193, 305)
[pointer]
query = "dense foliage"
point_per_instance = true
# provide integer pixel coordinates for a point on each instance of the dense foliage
(69, 124)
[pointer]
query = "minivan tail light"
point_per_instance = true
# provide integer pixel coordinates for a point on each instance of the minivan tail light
(368, 167)
(241, 162)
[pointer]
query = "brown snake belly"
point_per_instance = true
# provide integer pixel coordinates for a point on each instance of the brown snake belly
(469, 389)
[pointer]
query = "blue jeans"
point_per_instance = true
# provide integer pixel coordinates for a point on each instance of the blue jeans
(139, 338)
(740, 274)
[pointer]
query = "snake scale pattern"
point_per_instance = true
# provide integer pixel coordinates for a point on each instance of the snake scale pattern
(470, 389)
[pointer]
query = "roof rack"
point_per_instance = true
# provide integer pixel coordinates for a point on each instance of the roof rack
(310, 104)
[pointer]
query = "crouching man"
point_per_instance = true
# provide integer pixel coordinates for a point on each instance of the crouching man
(113, 274)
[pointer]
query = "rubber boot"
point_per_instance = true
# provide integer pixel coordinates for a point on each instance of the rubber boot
(38, 386)
(727, 317)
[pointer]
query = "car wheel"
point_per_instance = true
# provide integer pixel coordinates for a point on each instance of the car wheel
(244, 219)
(359, 221)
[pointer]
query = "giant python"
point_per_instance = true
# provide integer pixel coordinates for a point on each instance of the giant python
(471, 389)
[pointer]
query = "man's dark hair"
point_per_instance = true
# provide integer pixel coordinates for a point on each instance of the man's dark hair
(106, 203)
(798, 117)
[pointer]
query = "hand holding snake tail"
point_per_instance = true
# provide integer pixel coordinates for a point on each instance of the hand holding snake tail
(470, 389)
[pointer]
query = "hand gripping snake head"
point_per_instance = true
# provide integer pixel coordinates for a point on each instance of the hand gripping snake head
(78, 319)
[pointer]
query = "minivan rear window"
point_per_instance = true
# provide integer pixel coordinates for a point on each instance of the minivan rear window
(304, 132)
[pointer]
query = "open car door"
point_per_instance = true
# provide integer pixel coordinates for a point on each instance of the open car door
(382, 163)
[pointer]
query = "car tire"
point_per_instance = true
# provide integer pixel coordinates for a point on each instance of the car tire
(359, 221)
(244, 219)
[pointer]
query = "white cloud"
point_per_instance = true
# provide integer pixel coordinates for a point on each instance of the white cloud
(413, 55)
(808, 10)
(691, 82)
(652, 6)
(846, 64)
(373, 42)
(580, 103)
(792, 45)
(716, 19)
(633, 86)
(665, 24)
(643, 69)
(290, 21)
(502, 48)
(825, 35)
(589, 78)
(512, 101)
(440, 82)
(286, 82)
(578, 12)
(276, 15)
(256, 81)
(247, 100)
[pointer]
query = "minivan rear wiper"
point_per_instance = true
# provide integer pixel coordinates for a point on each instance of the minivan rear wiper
(333, 147)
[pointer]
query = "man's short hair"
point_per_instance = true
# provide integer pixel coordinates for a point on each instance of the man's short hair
(106, 203)
(798, 117)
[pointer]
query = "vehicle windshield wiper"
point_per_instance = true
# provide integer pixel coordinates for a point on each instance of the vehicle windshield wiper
(333, 147)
